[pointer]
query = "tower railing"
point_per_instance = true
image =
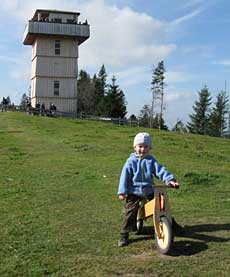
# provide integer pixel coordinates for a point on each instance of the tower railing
(81, 31)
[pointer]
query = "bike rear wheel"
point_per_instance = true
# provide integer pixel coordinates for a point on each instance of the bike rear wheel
(165, 240)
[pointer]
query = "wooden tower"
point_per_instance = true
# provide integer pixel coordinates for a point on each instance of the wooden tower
(55, 36)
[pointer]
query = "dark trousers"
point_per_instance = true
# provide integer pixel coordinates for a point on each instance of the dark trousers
(131, 210)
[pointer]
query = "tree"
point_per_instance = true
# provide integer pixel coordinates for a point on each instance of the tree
(132, 117)
(146, 120)
(8, 100)
(200, 118)
(115, 103)
(159, 123)
(100, 89)
(145, 116)
(86, 93)
(179, 127)
(157, 89)
(217, 122)
(23, 102)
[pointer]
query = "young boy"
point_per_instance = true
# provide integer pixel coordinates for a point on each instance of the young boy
(136, 182)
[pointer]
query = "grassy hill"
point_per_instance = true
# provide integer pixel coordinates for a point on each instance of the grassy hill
(60, 215)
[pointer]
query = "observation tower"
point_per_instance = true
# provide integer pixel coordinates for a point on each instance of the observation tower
(55, 36)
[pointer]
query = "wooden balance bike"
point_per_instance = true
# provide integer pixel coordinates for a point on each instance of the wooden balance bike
(158, 210)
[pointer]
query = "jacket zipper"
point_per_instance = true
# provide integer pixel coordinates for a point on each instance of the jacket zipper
(142, 178)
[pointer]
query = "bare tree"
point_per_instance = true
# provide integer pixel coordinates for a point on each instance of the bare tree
(157, 89)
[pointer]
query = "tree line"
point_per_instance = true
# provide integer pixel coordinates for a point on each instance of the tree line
(98, 97)
(210, 118)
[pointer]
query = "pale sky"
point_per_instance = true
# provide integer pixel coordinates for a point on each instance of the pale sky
(130, 38)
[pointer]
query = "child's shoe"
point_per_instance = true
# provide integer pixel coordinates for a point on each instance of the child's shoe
(124, 240)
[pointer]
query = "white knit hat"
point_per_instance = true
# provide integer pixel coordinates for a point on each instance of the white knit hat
(142, 138)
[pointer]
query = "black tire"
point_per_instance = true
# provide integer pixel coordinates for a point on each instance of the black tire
(140, 224)
(164, 244)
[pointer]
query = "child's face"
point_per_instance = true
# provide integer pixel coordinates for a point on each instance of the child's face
(142, 150)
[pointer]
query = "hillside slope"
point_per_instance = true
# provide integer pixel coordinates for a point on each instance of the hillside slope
(59, 213)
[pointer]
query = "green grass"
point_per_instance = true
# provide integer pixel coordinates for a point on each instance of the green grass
(60, 215)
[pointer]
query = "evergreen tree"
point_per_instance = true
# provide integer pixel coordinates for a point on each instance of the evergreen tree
(179, 127)
(200, 118)
(157, 89)
(8, 100)
(115, 103)
(23, 102)
(159, 123)
(145, 116)
(217, 123)
(145, 119)
(133, 117)
(86, 93)
(100, 90)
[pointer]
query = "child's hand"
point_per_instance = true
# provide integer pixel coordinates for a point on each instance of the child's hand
(173, 184)
(122, 196)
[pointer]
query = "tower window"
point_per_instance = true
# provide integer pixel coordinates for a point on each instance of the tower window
(57, 47)
(56, 88)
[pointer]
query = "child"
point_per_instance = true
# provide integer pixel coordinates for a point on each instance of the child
(136, 182)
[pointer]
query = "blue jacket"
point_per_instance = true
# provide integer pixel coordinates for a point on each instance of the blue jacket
(137, 175)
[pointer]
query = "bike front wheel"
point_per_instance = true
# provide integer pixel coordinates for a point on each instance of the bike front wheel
(165, 240)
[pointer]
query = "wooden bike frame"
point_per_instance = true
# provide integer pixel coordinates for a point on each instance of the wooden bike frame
(156, 208)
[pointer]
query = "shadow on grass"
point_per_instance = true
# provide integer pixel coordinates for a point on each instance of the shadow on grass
(196, 230)
(191, 247)
(147, 233)
(187, 246)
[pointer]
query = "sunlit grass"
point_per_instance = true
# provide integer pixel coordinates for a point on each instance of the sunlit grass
(59, 212)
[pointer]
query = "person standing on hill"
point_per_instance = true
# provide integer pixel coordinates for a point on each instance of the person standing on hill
(136, 182)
